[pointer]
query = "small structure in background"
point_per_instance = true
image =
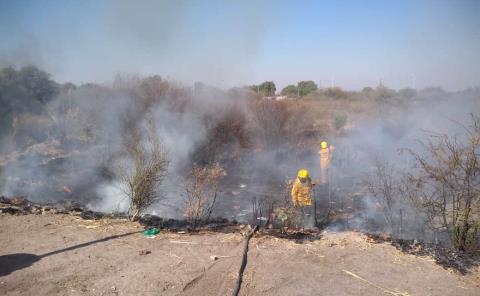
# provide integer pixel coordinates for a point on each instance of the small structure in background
(277, 98)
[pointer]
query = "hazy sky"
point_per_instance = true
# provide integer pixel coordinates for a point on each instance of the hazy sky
(346, 43)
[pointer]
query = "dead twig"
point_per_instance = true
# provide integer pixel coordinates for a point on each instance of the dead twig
(195, 280)
(183, 242)
(375, 285)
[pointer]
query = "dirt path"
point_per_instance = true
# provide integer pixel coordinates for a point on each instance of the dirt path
(103, 257)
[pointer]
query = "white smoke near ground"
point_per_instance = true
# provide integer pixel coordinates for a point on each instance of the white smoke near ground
(71, 147)
(180, 134)
(384, 140)
(262, 173)
(112, 198)
(74, 142)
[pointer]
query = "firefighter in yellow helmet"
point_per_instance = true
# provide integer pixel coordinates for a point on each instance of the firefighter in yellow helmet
(325, 152)
(302, 192)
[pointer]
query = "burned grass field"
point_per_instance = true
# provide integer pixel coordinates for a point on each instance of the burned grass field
(201, 147)
(85, 169)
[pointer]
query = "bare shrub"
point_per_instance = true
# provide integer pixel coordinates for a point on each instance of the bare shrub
(287, 216)
(335, 92)
(301, 128)
(28, 129)
(142, 178)
(124, 81)
(201, 189)
(262, 210)
(339, 121)
(227, 136)
(270, 119)
(448, 183)
(383, 93)
(153, 88)
(382, 185)
(284, 211)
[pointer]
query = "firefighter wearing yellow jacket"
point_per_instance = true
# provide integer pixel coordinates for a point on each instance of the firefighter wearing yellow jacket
(325, 152)
(302, 192)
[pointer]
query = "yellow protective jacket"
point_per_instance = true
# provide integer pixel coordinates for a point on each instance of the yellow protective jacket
(302, 193)
(325, 159)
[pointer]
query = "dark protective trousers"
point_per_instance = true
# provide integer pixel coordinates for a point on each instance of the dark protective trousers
(306, 217)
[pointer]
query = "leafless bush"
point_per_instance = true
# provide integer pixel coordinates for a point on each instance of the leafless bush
(382, 185)
(335, 92)
(201, 190)
(302, 132)
(227, 136)
(284, 211)
(383, 93)
(270, 118)
(28, 129)
(339, 121)
(287, 216)
(448, 184)
(153, 89)
(141, 180)
(262, 210)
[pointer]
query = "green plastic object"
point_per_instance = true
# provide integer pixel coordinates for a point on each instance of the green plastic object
(151, 232)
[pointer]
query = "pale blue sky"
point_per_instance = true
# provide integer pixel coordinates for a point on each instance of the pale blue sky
(346, 43)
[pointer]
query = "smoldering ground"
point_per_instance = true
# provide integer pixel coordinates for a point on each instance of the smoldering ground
(376, 154)
(66, 147)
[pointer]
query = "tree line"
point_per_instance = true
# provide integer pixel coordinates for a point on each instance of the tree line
(303, 88)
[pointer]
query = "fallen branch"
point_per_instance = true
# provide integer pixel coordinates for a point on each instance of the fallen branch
(183, 242)
(194, 281)
(244, 261)
(375, 285)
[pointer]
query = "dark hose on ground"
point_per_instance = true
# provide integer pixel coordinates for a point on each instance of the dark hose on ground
(244, 261)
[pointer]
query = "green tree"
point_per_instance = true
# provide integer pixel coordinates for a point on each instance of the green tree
(306, 87)
(37, 83)
(24, 90)
(367, 89)
(254, 88)
(268, 88)
(290, 90)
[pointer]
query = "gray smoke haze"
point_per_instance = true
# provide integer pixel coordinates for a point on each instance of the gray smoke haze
(65, 151)
(216, 43)
(81, 133)
(166, 32)
(180, 133)
(66, 147)
(382, 141)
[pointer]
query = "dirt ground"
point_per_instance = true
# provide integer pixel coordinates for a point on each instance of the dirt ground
(65, 255)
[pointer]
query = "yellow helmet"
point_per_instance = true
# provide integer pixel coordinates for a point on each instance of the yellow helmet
(323, 145)
(302, 173)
